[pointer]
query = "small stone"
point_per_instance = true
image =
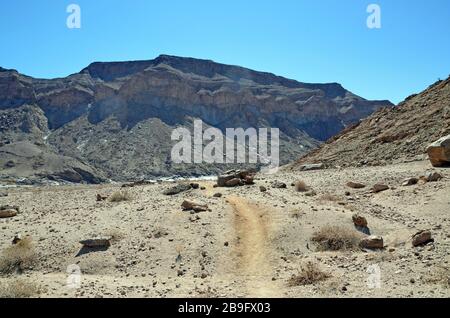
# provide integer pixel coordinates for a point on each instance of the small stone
(101, 198)
(217, 195)
(262, 189)
(432, 176)
(279, 185)
(355, 185)
(97, 242)
(379, 188)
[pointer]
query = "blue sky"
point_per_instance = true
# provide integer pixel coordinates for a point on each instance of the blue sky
(310, 41)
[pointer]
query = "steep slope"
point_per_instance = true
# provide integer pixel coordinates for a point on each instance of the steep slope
(117, 117)
(25, 155)
(394, 134)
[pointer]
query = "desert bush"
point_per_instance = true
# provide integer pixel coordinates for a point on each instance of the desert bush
(19, 288)
(329, 197)
(440, 275)
(300, 186)
(309, 274)
(120, 196)
(296, 214)
(115, 234)
(335, 238)
(18, 257)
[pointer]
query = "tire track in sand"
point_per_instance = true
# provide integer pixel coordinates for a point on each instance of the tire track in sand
(254, 263)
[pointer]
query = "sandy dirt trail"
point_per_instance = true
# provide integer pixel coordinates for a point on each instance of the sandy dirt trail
(254, 262)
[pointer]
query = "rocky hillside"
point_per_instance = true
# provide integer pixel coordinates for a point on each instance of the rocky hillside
(390, 135)
(114, 120)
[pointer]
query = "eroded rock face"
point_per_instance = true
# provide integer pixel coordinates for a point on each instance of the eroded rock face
(439, 152)
(108, 109)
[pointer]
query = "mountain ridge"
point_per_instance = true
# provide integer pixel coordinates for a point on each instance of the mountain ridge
(120, 100)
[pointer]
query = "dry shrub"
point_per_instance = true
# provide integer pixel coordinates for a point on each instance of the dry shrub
(296, 214)
(115, 234)
(335, 238)
(309, 274)
(300, 186)
(18, 257)
(120, 196)
(441, 275)
(329, 197)
(19, 288)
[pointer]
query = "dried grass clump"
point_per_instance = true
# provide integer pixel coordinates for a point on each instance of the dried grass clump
(329, 197)
(120, 196)
(19, 288)
(115, 234)
(300, 186)
(18, 257)
(335, 238)
(440, 275)
(309, 274)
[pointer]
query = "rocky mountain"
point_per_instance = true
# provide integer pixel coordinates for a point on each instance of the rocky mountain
(114, 120)
(390, 135)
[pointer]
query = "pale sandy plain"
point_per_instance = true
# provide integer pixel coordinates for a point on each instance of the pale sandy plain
(248, 245)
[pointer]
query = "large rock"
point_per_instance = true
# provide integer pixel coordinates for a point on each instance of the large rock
(372, 242)
(233, 182)
(379, 188)
(234, 178)
(439, 152)
(432, 176)
(421, 238)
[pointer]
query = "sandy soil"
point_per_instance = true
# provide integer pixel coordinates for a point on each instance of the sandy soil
(248, 245)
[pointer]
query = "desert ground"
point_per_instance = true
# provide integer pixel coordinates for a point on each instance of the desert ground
(249, 244)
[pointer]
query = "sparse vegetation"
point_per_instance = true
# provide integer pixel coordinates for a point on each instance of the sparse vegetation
(309, 274)
(329, 197)
(300, 186)
(19, 288)
(441, 275)
(335, 238)
(18, 257)
(120, 196)
(115, 234)
(296, 214)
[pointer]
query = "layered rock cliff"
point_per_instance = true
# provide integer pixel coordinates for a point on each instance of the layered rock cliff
(117, 117)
